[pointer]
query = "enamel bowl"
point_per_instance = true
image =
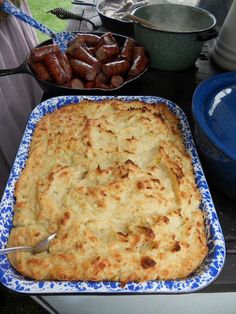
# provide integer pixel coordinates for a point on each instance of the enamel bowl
(214, 114)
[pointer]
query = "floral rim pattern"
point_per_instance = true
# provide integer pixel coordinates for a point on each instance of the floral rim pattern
(207, 272)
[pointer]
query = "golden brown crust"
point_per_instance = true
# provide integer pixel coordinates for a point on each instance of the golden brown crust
(116, 183)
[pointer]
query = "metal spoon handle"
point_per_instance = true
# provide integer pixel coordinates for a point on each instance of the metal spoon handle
(14, 249)
(9, 8)
(83, 3)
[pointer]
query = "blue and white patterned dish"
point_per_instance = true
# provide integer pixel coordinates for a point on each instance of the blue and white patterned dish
(206, 274)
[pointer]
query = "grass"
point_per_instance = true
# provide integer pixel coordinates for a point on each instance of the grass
(39, 12)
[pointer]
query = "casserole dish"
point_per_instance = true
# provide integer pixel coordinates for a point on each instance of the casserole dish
(207, 272)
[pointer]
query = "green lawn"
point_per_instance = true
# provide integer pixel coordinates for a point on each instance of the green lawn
(39, 12)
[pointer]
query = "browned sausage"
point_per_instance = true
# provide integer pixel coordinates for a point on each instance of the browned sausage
(77, 40)
(89, 84)
(37, 54)
(138, 66)
(107, 53)
(54, 68)
(88, 49)
(78, 52)
(140, 62)
(90, 40)
(115, 68)
(127, 51)
(85, 47)
(75, 83)
(108, 38)
(91, 50)
(40, 70)
(83, 69)
(100, 78)
(105, 39)
(117, 80)
(65, 64)
(138, 51)
(103, 85)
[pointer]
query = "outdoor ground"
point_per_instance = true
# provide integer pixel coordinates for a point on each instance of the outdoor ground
(39, 12)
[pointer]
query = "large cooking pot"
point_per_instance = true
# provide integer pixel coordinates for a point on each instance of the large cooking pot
(54, 89)
(180, 32)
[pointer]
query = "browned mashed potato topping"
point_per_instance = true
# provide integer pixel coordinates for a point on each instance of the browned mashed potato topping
(115, 182)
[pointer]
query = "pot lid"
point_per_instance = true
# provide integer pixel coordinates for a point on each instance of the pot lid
(214, 109)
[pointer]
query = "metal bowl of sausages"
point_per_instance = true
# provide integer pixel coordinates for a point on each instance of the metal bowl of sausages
(94, 63)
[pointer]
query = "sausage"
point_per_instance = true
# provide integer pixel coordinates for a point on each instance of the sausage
(139, 63)
(91, 50)
(90, 40)
(101, 81)
(138, 66)
(37, 54)
(105, 39)
(70, 50)
(100, 78)
(65, 64)
(40, 70)
(89, 84)
(85, 47)
(83, 69)
(54, 68)
(127, 51)
(102, 85)
(75, 83)
(88, 49)
(78, 52)
(77, 40)
(117, 80)
(138, 51)
(107, 53)
(108, 38)
(115, 68)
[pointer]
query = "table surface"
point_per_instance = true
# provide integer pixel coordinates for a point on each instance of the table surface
(179, 87)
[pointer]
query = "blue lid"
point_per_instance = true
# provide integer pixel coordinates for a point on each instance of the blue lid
(214, 109)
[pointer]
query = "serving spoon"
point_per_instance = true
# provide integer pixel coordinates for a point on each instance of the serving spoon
(142, 21)
(38, 248)
(61, 39)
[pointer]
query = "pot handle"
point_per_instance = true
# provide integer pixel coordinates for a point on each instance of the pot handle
(20, 69)
(210, 34)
